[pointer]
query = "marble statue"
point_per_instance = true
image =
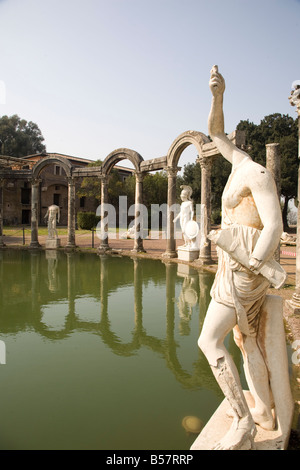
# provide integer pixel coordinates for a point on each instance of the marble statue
(189, 227)
(53, 215)
(250, 232)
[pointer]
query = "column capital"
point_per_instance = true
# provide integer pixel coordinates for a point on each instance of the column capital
(205, 162)
(71, 181)
(103, 178)
(35, 181)
(171, 171)
(139, 175)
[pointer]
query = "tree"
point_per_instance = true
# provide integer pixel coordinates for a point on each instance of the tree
(219, 175)
(19, 138)
(90, 185)
(282, 129)
(192, 177)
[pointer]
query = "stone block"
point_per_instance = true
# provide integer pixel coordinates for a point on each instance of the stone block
(52, 243)
(187, 254)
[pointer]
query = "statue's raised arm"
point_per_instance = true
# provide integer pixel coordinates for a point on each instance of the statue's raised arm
(216, 128)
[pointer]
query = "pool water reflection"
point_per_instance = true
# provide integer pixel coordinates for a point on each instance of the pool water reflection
(101, 352)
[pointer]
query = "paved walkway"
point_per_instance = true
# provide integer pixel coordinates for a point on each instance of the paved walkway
(154, 248)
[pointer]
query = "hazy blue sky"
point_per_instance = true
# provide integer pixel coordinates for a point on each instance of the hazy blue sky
(96, 75)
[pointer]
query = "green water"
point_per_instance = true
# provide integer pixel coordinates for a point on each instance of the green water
(101, 352)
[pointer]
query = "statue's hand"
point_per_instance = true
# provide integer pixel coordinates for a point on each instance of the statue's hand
(216, 82)
(254, 264)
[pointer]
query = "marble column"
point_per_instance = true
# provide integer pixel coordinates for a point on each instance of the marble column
(138, 236)
(273, 165)
(34, 212)
(205, 248)
(1, 212)
(171, 244)
(104, 246)
(294, 304)
(71, 213)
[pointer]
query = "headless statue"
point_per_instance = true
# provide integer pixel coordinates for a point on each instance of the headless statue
(53, 214)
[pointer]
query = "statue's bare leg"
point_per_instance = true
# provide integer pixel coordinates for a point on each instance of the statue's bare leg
(219, 321)
(257, 378)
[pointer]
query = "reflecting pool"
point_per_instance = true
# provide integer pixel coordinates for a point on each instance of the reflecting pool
(101, 352)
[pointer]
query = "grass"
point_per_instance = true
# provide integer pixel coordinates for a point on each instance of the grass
(17, 230)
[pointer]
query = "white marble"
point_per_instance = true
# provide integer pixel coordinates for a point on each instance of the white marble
(53, 215)
(252, 224)
(189, 251)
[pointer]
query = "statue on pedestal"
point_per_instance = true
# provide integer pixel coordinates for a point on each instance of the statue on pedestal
(189, 227)
(53, 215)
(252, 224)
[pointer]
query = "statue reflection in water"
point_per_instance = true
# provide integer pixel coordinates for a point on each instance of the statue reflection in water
(187, 300)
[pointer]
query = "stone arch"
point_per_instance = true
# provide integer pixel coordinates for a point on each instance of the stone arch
(36, 170)
(110, 161)
(178, 146)
(63, 162)
(121, 154)
(182, 142)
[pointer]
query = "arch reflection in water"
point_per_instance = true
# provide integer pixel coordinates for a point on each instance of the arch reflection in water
(101, 345)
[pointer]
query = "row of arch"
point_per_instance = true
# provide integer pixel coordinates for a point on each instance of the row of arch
(140, 165)
(169, 163)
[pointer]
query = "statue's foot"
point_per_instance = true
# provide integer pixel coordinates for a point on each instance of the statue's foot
(240, 436)
(264, 420)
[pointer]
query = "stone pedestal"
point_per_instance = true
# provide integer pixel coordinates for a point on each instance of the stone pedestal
(220, 423)
(293, 307)
(272, 342)
(187, 254)
(52, 243)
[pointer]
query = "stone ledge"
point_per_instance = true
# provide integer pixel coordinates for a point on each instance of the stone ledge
(220, 423)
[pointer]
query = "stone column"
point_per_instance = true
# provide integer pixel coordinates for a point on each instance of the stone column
(71, 213)
(138, 236)
(171, 245)
(205, 248)
(104, 246)
(34, 212)
(294, 303)
(273, 165)
(1, 212)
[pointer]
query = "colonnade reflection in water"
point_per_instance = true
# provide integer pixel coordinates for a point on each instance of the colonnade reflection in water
(53, 287)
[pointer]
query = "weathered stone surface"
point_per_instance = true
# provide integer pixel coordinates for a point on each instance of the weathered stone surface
(220, 423)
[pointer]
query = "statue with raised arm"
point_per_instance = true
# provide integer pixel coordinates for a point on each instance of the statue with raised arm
(53, 215)
(250, 232)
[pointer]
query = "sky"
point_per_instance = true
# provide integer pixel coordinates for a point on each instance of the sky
(98, 75)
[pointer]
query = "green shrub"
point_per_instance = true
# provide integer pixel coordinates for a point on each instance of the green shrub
(87, 220)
